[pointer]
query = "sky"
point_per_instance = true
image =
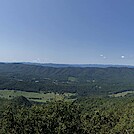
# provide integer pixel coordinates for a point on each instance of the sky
(67, 31)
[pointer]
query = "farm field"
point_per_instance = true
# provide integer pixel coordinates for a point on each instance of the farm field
(34, 96)
(122, 94)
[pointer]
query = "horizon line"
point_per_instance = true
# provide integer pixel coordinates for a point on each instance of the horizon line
(66, 63)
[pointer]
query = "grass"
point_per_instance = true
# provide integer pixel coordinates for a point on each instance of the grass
(73, 79)
(121, 94)
(33, 96)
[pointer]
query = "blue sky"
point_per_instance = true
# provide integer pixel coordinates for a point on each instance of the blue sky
(67, 31)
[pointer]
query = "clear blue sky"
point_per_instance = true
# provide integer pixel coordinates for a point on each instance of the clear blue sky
(67, 31)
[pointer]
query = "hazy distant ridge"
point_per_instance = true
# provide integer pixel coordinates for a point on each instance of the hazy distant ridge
(77, 65)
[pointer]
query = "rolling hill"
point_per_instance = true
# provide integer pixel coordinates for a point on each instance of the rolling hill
(83, 81)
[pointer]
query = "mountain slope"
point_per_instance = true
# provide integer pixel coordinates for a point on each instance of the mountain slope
(88, 80)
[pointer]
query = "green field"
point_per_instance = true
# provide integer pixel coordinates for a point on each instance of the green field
(72, 79)
(121, 94)
(38, 97)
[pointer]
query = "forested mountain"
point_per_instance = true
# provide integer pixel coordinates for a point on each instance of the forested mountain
(93, 112)
(84, 81)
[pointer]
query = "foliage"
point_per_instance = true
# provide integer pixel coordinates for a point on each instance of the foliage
(56, 118)
(85, 116)
(83, 81)
(92, 113)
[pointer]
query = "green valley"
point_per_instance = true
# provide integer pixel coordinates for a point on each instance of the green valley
(69, 100)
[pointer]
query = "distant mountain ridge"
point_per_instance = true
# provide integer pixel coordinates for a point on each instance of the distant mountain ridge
(55, 65)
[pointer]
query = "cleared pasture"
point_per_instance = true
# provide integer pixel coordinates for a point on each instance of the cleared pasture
(121, 94)
(33, 96)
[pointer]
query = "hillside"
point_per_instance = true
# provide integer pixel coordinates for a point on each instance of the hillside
(85, 116)
(91, 112)
(84, 81)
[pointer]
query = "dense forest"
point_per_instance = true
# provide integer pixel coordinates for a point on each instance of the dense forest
(84, 116)
(83, 81)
